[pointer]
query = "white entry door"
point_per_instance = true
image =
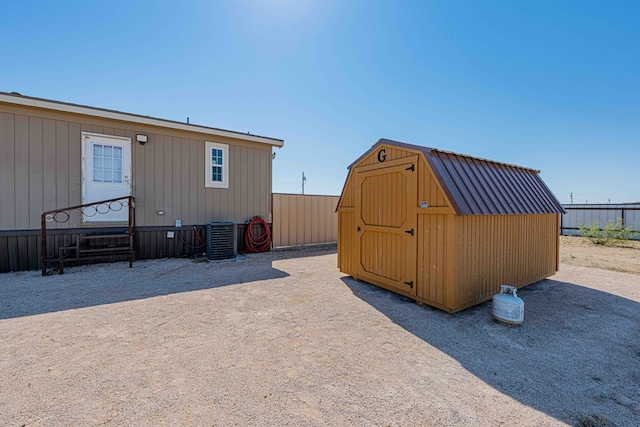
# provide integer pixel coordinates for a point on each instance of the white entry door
(106, 174)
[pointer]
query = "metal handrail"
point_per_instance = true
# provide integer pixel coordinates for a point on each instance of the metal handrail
(101, 207)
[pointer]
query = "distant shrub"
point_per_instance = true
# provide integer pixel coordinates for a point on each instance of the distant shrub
(611, 234)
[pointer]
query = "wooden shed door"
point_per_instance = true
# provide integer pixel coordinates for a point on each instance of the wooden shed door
(386, 224)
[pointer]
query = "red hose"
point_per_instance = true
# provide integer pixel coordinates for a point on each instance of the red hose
(257, 242)
(198, 235)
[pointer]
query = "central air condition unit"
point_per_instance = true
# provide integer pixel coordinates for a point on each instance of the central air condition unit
(222, 238)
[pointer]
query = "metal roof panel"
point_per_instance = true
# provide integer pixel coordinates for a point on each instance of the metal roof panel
(476, 186)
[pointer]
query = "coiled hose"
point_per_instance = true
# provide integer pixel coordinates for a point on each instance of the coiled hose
(257, 242)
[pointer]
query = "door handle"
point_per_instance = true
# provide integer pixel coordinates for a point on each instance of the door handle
(358, 228)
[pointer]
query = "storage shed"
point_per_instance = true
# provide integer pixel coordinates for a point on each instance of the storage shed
(445, 229)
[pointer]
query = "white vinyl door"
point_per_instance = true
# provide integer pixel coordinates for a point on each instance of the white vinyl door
(106, 174)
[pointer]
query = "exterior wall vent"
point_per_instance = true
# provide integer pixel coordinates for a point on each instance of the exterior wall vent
(222, 238)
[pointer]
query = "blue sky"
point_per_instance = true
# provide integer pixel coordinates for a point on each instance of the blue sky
(550, 85)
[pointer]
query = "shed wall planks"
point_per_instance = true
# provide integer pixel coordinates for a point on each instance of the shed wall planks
(428, 188)
(391, 153)
(347, 256)
(502, 249)
(433, 240)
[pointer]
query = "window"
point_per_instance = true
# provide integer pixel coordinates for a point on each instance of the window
(107, 163)
(216, 165)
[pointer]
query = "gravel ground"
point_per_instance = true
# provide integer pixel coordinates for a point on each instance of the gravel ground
(623, 257)
(284, 339)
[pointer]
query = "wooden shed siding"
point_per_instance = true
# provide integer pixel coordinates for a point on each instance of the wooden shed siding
(348, 197)
(433, 241)
(304, 219)
(428, 187)
(40, 155)
(494, 250)
(392, 153)
(347, 251)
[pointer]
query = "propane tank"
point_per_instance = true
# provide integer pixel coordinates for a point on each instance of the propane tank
(507, 307)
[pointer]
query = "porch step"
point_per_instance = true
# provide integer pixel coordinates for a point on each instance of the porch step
(92, 247)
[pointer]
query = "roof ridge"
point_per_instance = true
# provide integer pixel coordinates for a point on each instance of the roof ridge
(484, 160)
(426, 149)
(18, 95)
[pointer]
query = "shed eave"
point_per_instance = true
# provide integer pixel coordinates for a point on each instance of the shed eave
(472, 191)
(65, 107)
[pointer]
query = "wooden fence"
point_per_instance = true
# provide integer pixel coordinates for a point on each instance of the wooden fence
(304, 219)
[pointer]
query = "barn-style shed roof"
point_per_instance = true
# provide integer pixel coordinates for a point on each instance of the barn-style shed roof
(477, 186)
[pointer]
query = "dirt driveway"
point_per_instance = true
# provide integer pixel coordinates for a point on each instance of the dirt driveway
(284, 339)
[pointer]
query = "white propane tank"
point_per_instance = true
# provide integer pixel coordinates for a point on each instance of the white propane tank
(507, 307)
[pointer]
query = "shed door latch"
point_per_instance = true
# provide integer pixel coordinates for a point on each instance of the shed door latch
(411, 168)
(410, 232)
(409, 283)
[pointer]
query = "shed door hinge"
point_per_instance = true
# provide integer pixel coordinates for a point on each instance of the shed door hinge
(411, 168)
(409, 283)
(410, 232)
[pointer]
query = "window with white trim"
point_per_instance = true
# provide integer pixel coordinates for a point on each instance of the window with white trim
(216, 165)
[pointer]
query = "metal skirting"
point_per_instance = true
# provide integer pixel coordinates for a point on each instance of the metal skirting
(20, 249)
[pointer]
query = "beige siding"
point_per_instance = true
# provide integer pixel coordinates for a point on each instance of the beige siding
(40, 169)
(304, 219)
(21, 182)
(7, 173)
(62, 163)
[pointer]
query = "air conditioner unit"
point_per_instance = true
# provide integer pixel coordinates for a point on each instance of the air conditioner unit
(222, 238)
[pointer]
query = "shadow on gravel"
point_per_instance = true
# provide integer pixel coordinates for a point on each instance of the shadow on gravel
(28, 293)
(576, 357)
(292, 252)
